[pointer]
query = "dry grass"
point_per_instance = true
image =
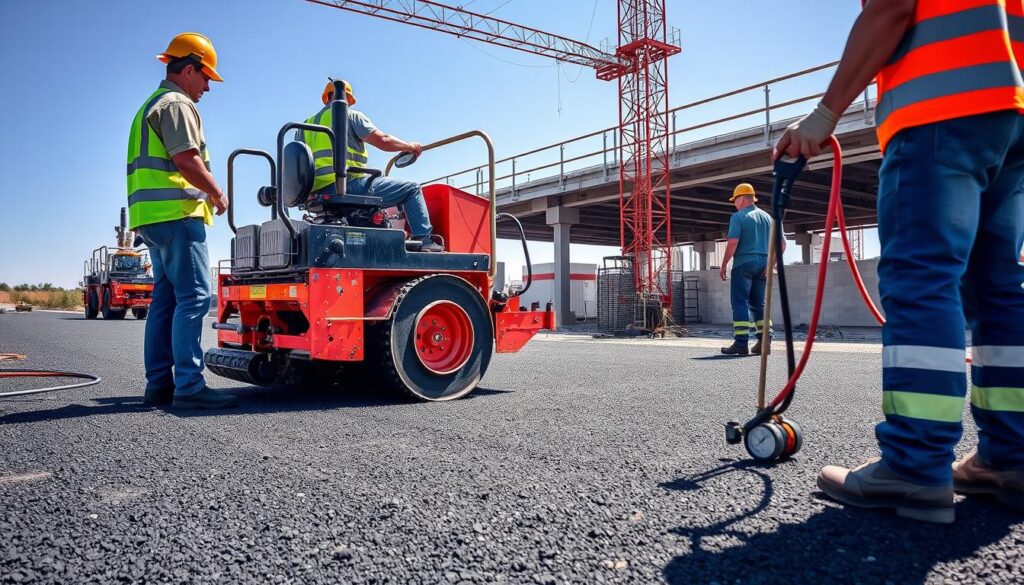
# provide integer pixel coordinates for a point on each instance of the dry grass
(57, 299)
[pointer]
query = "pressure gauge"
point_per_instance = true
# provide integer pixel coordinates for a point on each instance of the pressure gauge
(778, 438)
(765, 442)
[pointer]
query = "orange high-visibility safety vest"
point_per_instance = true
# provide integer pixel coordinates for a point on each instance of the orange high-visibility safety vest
(959, 58)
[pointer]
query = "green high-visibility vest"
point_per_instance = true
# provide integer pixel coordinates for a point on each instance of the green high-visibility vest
(323, 156)
(157, 191)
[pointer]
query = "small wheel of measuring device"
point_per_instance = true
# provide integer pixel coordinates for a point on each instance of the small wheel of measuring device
(92, 305)
(438, 344)
(140, 314)
(773, 440)
(794, 437)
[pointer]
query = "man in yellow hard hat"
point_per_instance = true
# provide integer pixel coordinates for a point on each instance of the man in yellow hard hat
(171, 198)
(749, 229)
(361, 131)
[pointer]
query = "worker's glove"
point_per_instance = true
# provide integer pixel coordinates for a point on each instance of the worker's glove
(806, 136)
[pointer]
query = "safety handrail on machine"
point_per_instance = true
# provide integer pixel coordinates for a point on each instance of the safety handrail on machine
(490, 182)
(231, 181)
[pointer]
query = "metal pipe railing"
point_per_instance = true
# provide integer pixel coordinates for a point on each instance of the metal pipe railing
(671, 136)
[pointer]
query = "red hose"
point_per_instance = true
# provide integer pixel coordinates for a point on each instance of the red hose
(834, 213)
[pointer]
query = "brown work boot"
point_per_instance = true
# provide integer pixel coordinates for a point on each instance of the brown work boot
(736, 348)
(756, 350)
(971, 476)
(872, 485)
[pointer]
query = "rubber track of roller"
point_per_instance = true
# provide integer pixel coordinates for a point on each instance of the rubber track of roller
(231, 367)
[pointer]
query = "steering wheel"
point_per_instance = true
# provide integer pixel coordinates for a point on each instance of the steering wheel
(405, 159)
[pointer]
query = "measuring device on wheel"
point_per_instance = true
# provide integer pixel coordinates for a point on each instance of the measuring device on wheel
(769, 436)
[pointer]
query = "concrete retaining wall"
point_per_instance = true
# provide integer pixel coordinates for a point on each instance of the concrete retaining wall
(842, 305)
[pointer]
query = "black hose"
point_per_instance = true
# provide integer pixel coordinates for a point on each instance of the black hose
(526, 251)
(779, 215)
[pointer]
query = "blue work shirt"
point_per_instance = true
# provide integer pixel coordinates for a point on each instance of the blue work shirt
(753, 228)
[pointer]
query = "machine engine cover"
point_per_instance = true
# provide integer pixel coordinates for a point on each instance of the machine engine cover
(277, 249)
(245, 248)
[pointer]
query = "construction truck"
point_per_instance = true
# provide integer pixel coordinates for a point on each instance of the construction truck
(117, 279)
(343, 294)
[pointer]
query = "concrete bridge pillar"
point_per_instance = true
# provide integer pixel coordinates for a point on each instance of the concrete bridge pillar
(805, 241)
(561, 219)
(704, 251)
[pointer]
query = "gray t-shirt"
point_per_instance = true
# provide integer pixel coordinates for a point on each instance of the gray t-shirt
(176, 121)
(359, 127)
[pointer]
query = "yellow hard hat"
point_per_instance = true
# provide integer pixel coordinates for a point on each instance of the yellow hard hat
(742, 190)
(193, 45)
(329, 93)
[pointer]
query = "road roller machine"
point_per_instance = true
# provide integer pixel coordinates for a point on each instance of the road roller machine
(341, 295)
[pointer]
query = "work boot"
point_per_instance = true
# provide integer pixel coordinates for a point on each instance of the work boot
(737, 348)
(971, 476)
(430, 246)
(756, 350)
(873, 485)
(204, 399)
(158, 396)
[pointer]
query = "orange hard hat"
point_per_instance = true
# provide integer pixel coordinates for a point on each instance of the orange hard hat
(328, 94)
(743, 190)
(193, 45)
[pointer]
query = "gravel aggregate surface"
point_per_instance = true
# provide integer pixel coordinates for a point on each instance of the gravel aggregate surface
(574, 462)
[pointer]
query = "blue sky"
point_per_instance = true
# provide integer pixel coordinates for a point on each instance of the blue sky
(78, 71)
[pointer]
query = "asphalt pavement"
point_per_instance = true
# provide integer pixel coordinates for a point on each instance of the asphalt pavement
(576, 461)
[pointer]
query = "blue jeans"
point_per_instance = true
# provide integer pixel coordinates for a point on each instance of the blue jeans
(746, 290)
(393, 193)
(951, 226)
(181, 300)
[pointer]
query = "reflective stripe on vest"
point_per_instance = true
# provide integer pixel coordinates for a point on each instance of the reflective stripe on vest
(157, 191)
(956, 60)
(323, 156)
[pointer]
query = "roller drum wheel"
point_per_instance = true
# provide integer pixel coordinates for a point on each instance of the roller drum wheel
(438, 344)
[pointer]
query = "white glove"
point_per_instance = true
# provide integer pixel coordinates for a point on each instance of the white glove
(807, 135)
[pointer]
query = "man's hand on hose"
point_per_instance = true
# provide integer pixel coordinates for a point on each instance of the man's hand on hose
(807, 135)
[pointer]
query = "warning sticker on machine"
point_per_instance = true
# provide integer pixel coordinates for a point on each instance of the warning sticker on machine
(293, 291)
(258, 291)
(355, 238)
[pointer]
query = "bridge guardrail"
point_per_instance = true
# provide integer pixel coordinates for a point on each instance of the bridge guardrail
(600, 149)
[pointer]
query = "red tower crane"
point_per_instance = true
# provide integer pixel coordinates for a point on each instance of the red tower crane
(639, 64)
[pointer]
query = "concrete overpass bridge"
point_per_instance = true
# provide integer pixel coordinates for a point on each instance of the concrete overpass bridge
(569, 191)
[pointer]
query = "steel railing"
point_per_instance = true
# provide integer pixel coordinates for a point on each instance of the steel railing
(513, 174)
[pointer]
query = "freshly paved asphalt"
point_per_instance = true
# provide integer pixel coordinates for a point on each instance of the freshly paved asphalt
(587, 462)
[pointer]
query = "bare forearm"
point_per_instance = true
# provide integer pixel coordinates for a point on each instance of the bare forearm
(730, 251)
(389, 143)
(873, 39)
